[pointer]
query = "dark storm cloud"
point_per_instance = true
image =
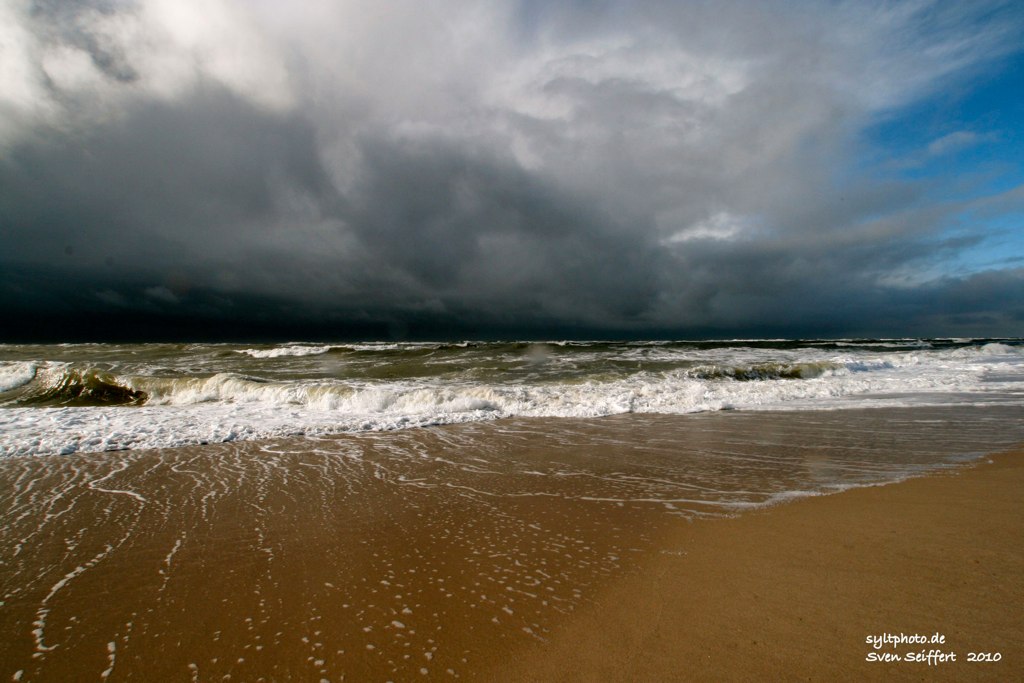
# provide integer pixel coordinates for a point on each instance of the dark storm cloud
(480, 232)
(168, 187)
(539, 169)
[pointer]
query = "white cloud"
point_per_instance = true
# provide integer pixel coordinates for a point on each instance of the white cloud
(23, 95)
(953, 142)
(721, 226)
(176, 41)
(52, 74)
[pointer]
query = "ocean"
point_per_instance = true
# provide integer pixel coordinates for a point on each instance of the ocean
(68, 398)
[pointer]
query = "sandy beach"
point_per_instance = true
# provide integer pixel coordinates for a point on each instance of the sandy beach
(794, 592)
(618, 549)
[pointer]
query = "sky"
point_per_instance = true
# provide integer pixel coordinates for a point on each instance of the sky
(221, 169)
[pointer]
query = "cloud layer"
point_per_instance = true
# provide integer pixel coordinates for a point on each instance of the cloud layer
(433, 168)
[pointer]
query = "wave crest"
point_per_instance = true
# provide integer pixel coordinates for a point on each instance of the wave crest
(282, 351)
(765, 371)
(76, 387)
(16, 374)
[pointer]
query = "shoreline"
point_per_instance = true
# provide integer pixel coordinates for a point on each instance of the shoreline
(486, 551)
(794, 591)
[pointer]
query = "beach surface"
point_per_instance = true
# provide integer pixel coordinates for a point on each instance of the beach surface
(626, 548)
(819, 589)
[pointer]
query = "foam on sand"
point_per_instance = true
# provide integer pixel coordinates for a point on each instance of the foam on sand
(375, 556)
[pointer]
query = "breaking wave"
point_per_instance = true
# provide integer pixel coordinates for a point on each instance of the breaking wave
(280, 352)
(16, 374)
(75, 387)
(767, 371)
(105, 397)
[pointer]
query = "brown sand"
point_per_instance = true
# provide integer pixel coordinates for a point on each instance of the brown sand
(357, 558)
(793, 592)
(529, 550)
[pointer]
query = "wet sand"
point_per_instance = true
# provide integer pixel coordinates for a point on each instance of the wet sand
(510, 549)
(793, 593)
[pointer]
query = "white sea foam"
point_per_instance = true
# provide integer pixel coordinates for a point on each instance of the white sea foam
(278, 352)
(996, 348)
(16, 374)
(229, 406)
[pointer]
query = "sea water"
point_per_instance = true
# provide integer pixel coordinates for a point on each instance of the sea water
(61, 399)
